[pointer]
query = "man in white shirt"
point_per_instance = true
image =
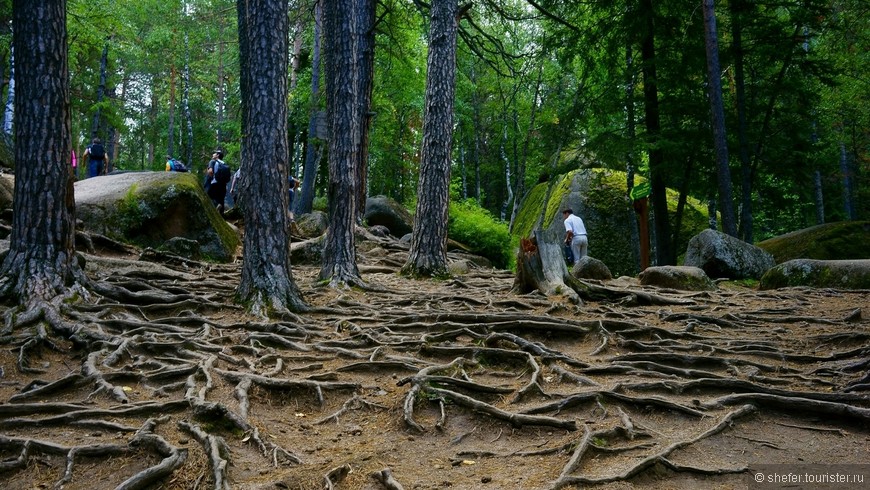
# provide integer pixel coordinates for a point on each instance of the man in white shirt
(575, 234)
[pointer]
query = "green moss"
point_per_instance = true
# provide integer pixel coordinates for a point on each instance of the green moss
(556, 197)
(144, 215)
(530, 211)
(832, 241)
(817, 274)
(599, 196)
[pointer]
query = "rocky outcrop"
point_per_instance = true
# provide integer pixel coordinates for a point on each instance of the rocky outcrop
(721, 255)
(844, 240)
(381, 210)
(599, 197)
(684, 278)
(147, 209)
(838, 274)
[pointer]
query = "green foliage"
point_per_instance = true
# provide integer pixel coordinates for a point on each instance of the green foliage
(476, 228)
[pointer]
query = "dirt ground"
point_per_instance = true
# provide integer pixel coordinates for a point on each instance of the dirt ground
(427, 384)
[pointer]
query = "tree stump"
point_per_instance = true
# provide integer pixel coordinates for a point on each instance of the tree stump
(541, 267)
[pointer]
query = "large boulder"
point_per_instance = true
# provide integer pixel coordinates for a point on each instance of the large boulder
(721, 255)
(148, 209)
(7, 191)
(838, 274)
(312, 224)
(683, 278)
(599, 197)
(591, 268)
(381, 210)
(845, 240)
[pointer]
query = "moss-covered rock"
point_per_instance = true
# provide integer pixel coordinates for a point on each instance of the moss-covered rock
(148, 208)
(385, 211)
(839, 274)
(721, 255)
(845, 240)
(684, 278)
(599, 197)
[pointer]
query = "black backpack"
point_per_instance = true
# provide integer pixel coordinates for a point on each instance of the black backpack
(177, 166)
(222, 172)
(97, 152)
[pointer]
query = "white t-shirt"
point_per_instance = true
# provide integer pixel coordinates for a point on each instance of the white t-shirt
(574, 224)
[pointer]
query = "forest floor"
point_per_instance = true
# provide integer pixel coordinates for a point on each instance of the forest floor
(431, 384)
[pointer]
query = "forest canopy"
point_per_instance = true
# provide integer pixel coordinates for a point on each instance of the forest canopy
(541, 88)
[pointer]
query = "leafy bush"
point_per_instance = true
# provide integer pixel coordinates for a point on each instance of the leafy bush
(477, 229)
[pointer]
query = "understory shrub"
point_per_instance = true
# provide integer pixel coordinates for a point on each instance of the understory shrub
(477, 229)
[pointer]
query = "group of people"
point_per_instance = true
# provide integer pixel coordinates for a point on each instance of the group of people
(218, 176)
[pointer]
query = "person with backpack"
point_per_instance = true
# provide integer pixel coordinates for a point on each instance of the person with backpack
(173, 165)
(98, 160)
(218, 175)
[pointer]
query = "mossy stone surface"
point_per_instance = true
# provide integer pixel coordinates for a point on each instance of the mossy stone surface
(148, 208)
(600, 198)
(838, 274)
(846, 240)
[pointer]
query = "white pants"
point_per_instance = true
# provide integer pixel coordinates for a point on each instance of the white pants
(579, 244)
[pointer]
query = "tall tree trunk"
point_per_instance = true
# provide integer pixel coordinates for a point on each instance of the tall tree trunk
(305, 199)
(745, 232)
(846, 172)
(221, 89)
(662, 227)
(507, 172)
(188, 118)
(170, 137)
(819, 198)
(101, 90)
(342, 107)
(113, 135)
(524, 158)
(267, 282)
(9, 112)
(40, 263)
(366, 86)
(296, 55)
(428, 256)
(463, 168)
(152, 121)
(717, 110)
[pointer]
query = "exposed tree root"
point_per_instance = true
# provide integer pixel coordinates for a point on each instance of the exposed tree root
(159, 341)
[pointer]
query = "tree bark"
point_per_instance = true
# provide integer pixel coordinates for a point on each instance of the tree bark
(101, 90)
(267, 282)
(428, 256)
(342, 107)
(664, 252)
(746, 231)
(366, 87)
(305, 200)
(9, 112)
(41, 262)
(185, 101)
(717, 110)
